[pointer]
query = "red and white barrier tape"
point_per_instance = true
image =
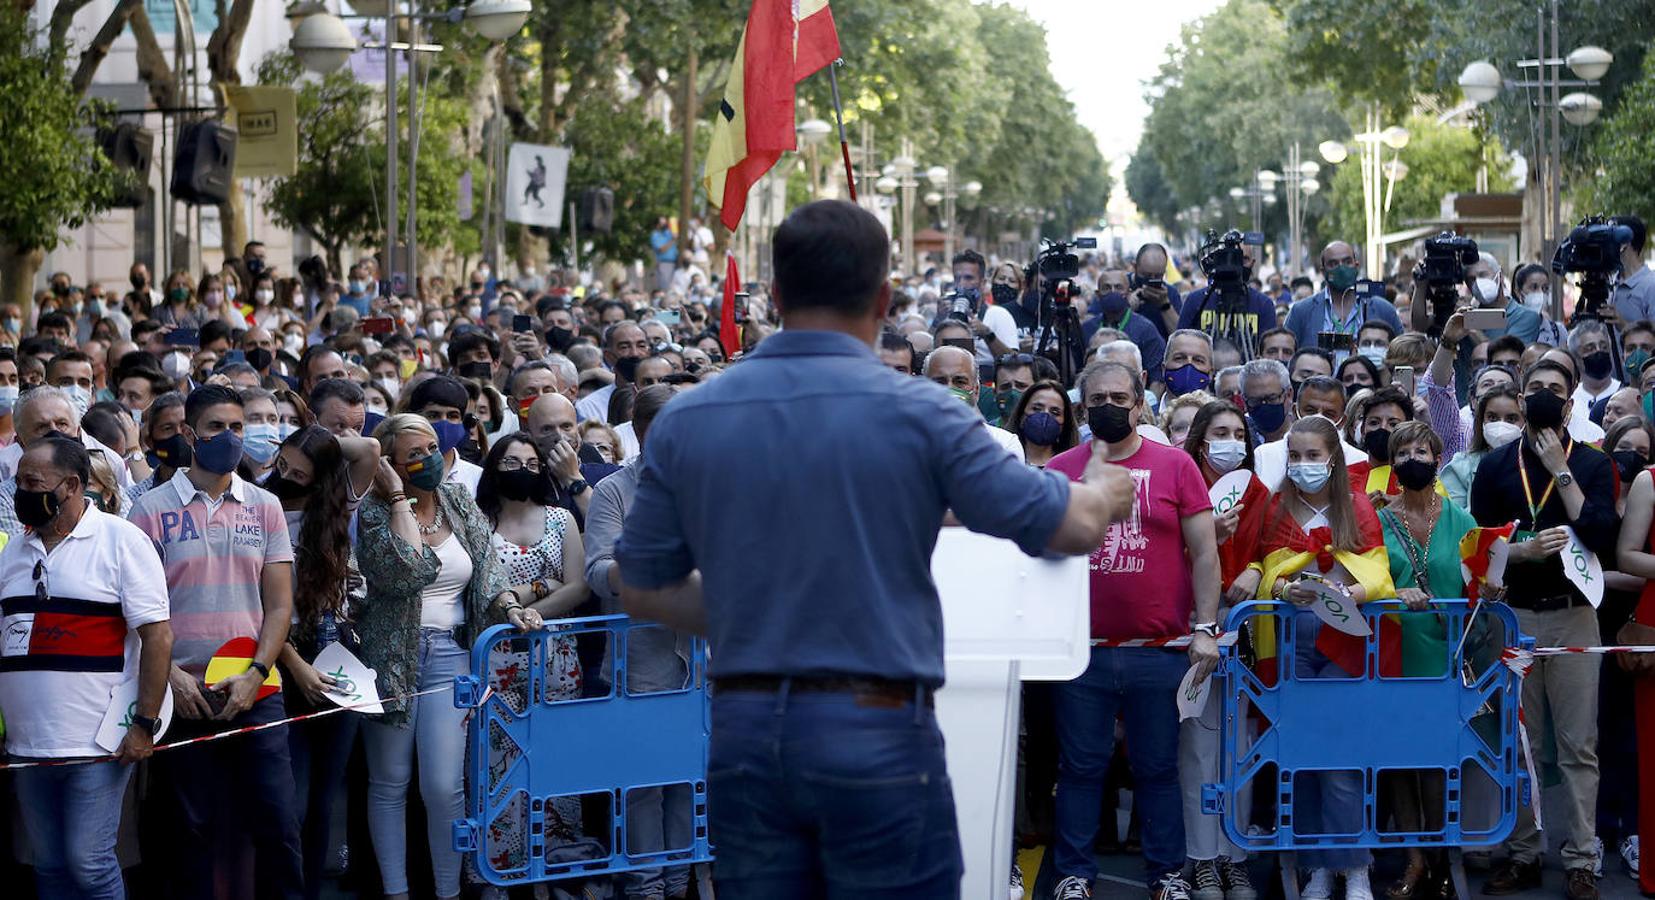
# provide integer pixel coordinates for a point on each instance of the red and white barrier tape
(1225, 639)
(217, 736)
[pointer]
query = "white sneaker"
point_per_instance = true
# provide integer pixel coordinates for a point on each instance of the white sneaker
(1073, 888)
(1356, 884)
(1629, 855)
(1320, 886)
(1016, 892)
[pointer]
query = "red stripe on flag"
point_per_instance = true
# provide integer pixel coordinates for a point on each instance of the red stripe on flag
(818, 44)
(767, 79)
(727, 337)
(72, 635)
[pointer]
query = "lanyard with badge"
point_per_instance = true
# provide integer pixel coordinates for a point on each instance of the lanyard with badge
(1528, 495)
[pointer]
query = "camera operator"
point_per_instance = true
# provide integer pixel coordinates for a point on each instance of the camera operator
(1634, 294)
(1151, 296)
(1337, 308)
(1201, 311)
(994, 327)
(1112, 308)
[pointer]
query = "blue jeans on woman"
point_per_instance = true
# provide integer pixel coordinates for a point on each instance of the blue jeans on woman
(1324, 802)
(71, 814)
(435, 730)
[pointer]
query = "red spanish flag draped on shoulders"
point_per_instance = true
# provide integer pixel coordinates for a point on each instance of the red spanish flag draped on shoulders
(784, 42)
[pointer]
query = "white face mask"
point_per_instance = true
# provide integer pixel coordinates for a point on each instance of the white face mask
(1224, 456)
(435, 328)
(176, 365)
(1537, 300)
(391, 386)
(80, 397)
(1310, 477)
(1499, 434)
(1488, 289)
(264, 297)
(1376, 354)
(293, 343)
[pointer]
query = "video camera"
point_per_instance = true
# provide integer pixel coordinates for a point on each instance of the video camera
(1224, 262)
(1443, 270)
(1593, 249)
(1055, 268)
(963, 304)
(1056, 265)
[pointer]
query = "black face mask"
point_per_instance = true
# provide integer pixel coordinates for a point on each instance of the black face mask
(174, 452)
(1543, 409)
(286, 488)
(626, 368)
(481, 371)
(1004, 294)
(260, 358)
(36, 508)
(1378, 443)
(1414, 474)
(1630, 463)
(1109, 423)
(522, 485)
(560, 339)
(1599, 364)
(470, 452)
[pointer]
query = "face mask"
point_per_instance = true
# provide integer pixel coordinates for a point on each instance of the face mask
(1378, 443)
(626, 368)
(12, 324)
(1109, 423)
(1543, 409)
(1599, 364)
(1309, 477)
(260, 358)
(1487, 289)
(1186, 379)
(285, 488)
(176, 365)
(357, 286)
(178, 295)
(449, 435)
(260, 443)
(521, 485)
(1003, 294)
(8, 398)
(220, 453)
(481, 371)
(1415, 474)
(263, 298)
(474, 313)
(284, 430)
(559, 338)
(173, 452)
(1374, 354)
(213, 299)
(137, 282)
(1635, 362)
(1341, 278)
(1537, 300)
(254, 264)
(1040, 429)
(79, 397)
(969, 398)
(1224, 456)
(1630, 463)
(391, 386)
(1269, 417)
(229, 292)
(37, 508)
(293, 344)
(435, 328)
(426, 474)
(1499, 434)
(409, 317)
(1111, 306)
(1006, 401)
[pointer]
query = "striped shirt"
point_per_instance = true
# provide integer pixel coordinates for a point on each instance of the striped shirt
(213, 553)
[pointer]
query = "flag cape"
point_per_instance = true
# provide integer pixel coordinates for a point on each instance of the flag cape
(754, 124)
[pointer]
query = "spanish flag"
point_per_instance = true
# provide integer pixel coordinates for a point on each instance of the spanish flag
(784, 42)
(1476, 550)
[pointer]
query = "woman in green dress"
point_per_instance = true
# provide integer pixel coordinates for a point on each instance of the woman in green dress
(1422, 538)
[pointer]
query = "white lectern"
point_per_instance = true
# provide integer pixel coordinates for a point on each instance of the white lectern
(1006, 618)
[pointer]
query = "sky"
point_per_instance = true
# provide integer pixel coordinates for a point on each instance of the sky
(1102, 53)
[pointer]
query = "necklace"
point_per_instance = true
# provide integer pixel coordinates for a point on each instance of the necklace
(1428, 525)
(436, 520)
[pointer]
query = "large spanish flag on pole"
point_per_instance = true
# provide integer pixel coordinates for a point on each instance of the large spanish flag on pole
(784, 42)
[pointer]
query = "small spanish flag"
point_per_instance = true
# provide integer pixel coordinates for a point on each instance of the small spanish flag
(236, 657)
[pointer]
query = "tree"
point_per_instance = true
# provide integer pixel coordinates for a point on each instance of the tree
(1441, 160)
(1625, 144)
(56, 177)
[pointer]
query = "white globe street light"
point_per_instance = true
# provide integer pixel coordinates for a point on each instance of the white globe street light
(1590, 63)
(1237, 193)
(937, 175)
(1309, 169)
(971, 188)
(323, 43)
(1395, 137)
(903, 166)
(813, 131)
(1333, 151)
(1580, 108)
(932, 198)
(886, 184)
(1480, 81)
(497, 20)
(1267, 180)
(1396, 170)
(1310, 185)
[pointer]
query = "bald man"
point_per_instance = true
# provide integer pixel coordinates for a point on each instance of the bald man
(956, 370)
(1344, 313)
(552, 425)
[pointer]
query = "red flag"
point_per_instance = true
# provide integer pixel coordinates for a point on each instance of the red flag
(727, 336)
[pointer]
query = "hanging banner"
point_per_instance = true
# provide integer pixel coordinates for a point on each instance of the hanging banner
(266, 120)
(535, 176)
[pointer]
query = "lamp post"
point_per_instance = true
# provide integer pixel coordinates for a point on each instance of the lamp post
(1261, 191)
(1300, 182)
(1482, 82)
(902, 171)
(323, 43)
(948, 193)
(811, 134)
(1376, 202)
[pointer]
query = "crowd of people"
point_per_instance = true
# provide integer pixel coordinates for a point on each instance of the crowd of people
(300, 461)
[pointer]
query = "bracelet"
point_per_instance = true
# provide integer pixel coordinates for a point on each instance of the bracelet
(516, 599)
(539, 588)
(398, 497)
(264, 670)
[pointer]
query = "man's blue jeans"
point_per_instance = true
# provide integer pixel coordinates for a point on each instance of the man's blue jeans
(71, 814)
(822, 795)
(1140, 685)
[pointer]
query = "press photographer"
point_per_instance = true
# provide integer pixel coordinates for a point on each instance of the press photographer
(993, 325)
(1150, 295)
(1054, 272)
(1228, 308)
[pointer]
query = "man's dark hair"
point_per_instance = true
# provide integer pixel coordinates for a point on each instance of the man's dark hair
(974, 258)
(1640, 232)
(1322, 384)
(1278, 332)
(1301, 281)
(471, 340)
(896, 343)
(1381, 325)
(54, 319)
(607, 305)
(311, 353)
(69, 356)
(143, 329)
(536, 366)
(547, 303)
(441, 390)
(1317, 352)
(205, 397)
(1386, 395)
(342, 389)
(1145, 248)
(159, 405)
(831, 255)
(237, 368)
(103, 421)
(648, 404)
(1547, 365)
(215, 330)
(1643, 325)
(1505, 343)
(68, 455)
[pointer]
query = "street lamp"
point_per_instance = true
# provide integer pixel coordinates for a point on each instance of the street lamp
(1262, 191)
(323, 43)
(1371, 144)
(1299, 182)
(811, 134)
(1482, 82)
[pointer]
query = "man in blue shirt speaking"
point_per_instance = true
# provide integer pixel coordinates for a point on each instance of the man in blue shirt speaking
(788, 510)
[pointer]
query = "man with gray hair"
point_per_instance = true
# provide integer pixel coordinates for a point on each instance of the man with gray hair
(1268, 392)
(956, 370)
(1127, 354)
(1189, 362)
(1591, 341)
(43, 411)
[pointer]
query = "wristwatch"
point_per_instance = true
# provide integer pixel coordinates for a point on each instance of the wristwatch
(1564, 478)
(151, 724)
(263, 669)
(1210, 629)
(578, 487)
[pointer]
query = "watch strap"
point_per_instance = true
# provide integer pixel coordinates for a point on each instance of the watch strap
(263, 669)
(150, 724)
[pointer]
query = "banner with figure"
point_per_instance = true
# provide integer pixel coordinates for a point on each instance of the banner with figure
(535, 175)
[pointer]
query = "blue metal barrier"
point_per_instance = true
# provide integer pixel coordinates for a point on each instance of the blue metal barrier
(549, 750)
(1290, 734)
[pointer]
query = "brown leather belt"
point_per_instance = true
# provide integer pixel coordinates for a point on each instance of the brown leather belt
(866, 691)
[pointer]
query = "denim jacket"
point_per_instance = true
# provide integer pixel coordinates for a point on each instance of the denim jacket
(388, 617)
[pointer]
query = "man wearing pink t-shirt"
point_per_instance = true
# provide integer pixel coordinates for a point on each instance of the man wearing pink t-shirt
(1152, 571)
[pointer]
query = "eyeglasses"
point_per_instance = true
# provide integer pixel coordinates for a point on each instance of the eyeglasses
(513, 464)
(39, 583)
(1015, 359)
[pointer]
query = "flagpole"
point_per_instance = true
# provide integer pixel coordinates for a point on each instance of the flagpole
(839, 116)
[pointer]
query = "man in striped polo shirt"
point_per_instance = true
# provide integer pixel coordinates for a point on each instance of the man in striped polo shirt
(229, 565)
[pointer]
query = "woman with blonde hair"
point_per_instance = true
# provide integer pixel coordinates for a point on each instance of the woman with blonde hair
(1178, 414)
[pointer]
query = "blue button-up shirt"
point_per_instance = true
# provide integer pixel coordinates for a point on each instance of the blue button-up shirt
(808, 485)
(1309, 317)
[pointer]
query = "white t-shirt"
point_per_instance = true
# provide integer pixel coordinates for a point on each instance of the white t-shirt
(103, 582)
(442, 603)
(631, 448)
(999, 320)
(466, 473)
(1011, 443)
(1270, 461)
